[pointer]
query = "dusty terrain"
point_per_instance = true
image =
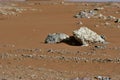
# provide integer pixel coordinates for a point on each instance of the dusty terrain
(25, 56)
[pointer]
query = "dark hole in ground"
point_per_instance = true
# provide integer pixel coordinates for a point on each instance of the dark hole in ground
(72, 41)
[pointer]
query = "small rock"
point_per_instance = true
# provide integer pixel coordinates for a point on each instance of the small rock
(117, 12)
(50, 50)
(77, 16)
(101, 16)
(80, 23)
(118, 26)
(100, 47)
(56, 38)
(62, 2)
(96, 25)
(107, 24)
(99, 8)
(111, 17)
(117, 21)
(20, 77)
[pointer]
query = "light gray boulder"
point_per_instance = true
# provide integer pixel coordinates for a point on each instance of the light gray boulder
(85, 36)
(56, 37)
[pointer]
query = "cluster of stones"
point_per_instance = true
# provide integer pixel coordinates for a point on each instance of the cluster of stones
(10, 10)
(84, 36)
(86, 14)
(95, 14)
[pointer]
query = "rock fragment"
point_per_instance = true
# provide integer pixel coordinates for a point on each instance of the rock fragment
(86, 36)
(100, 47)
(117, 21)
(111, 17)
(56, 37)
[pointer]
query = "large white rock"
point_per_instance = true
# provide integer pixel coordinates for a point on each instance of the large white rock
(56, 37)
(86, 36)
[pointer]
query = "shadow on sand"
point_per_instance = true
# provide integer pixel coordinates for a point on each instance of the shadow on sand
(72, 42)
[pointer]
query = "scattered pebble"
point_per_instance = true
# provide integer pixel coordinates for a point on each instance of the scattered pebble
(103, 78)
(100, 47)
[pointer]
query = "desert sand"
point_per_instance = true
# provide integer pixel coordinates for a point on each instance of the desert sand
(25, 56)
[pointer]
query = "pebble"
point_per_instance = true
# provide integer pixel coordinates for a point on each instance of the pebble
(96, 25)
(100, 47)
(80, 23)
(107, 24)
(118, 26)
(111, 17)
(56, 38)
(99, 8)
(50, 50)
(62, 2)
(27, 55)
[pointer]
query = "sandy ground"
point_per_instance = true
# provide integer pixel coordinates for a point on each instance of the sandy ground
(25, 56)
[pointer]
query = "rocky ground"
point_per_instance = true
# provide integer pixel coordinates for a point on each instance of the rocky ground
(24, 55)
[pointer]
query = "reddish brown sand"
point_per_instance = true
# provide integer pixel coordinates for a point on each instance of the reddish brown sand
(20, 35)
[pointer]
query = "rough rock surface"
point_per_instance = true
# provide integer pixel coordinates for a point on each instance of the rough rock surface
(86, 36)
(56, 38)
